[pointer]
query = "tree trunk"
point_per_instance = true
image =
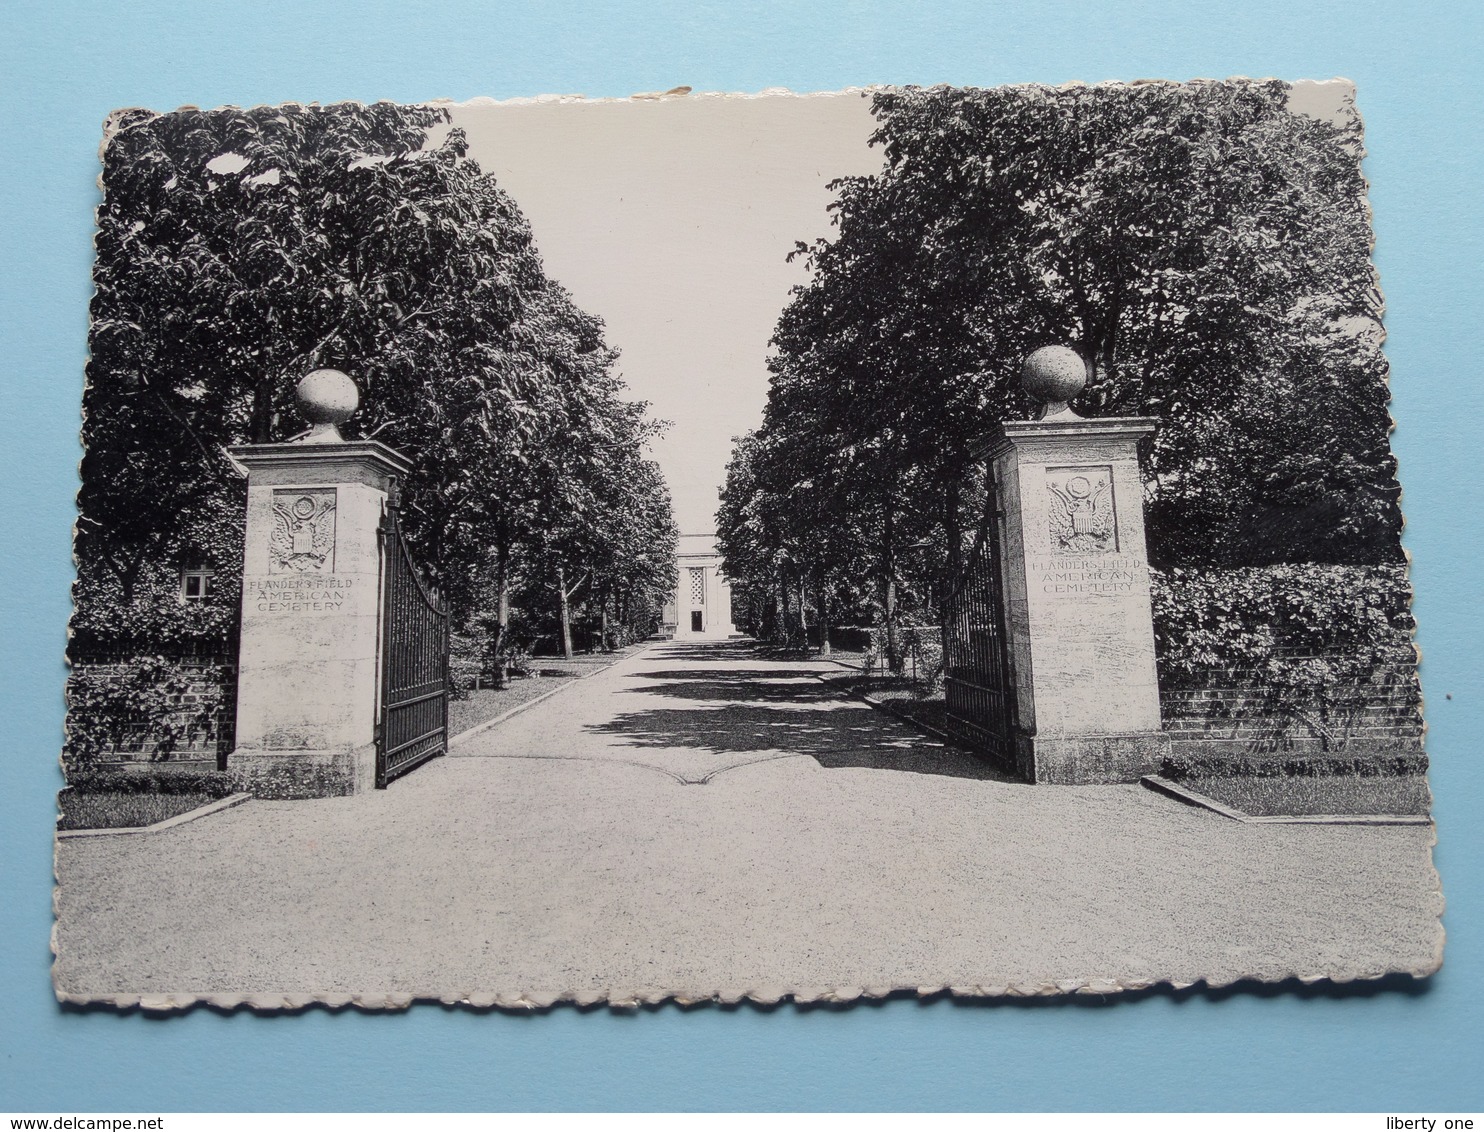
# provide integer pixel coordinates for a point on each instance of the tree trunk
(499, 644)
(953, 570)
(261, 426)
(824, 619)
(566, 614)
(127, 575)
(893, 636)
(803, 615)
(889, 595)
(128, 570)
(780, 605)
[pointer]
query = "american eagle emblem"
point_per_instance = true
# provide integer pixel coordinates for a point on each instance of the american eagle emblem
(1081, 513)
(303, 538)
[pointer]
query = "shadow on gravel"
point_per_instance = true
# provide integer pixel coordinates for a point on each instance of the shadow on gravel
(711, 650)
(746, 685)
(846, 735)
(745, 710)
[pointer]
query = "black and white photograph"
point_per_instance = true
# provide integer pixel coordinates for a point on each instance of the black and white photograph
(703, 547)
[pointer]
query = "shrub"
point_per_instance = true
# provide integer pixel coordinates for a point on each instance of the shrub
(468, 661)
(1273, 618)
(618, 636)
(930, 661)
(851, 638)
(518, 662)
(921, 648)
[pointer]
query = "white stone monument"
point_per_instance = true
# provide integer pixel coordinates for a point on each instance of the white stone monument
(307, 678)
(1076, 585)
(702, 605)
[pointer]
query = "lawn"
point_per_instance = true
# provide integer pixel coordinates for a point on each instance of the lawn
(482, 706)
(1317, 794)
(583, 662)
(1252, 794)
(548, 672)
(112, 810)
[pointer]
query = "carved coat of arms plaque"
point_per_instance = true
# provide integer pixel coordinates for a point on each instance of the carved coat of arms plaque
(303, 540)
(1080, 506)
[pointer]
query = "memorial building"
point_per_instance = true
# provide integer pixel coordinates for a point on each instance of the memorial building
(701, 606)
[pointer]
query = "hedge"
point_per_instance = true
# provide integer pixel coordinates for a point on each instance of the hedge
(1353, 618)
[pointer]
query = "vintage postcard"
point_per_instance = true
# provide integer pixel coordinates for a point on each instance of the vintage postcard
(710, 547)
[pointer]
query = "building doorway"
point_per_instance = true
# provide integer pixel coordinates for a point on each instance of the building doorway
(697, 621)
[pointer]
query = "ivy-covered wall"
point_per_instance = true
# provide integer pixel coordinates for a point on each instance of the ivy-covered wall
(151, 708)
(1291, 660)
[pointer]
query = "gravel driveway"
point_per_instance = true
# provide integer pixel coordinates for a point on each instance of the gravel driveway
(698, 822)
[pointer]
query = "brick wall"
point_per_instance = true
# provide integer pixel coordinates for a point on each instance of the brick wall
(1235, 714)
(208, 677)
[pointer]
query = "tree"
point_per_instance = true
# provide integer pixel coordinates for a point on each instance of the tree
(239, 249)
(1204, 248)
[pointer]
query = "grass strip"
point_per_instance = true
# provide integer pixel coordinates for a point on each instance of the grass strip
(114, 810)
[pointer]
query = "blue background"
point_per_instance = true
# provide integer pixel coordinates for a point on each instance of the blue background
(66, 64)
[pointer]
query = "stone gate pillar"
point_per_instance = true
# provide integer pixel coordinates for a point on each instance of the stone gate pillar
(1076, 585)
(307, 676)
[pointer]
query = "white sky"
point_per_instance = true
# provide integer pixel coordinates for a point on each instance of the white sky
(671, 220)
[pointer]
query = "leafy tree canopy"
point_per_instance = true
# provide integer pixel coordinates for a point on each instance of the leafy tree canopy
(239, 249)
(1206, 249)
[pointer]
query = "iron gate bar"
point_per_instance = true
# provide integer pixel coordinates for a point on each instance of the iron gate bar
(978, 692)
(413, 726)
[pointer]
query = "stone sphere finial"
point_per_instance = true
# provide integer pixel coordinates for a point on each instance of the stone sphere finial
(1054, 374)
(327, 399)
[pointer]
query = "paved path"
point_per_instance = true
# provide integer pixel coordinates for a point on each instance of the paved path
(699, 821)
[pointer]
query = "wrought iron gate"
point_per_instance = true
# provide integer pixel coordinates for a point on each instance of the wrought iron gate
(978, 689)
(413, 727)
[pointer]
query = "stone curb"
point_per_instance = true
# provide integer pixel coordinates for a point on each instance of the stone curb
(518, 708)
(1162, 785)
(169, 823)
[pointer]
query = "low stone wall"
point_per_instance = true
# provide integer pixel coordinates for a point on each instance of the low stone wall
(1239, 716)
(200, 704)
